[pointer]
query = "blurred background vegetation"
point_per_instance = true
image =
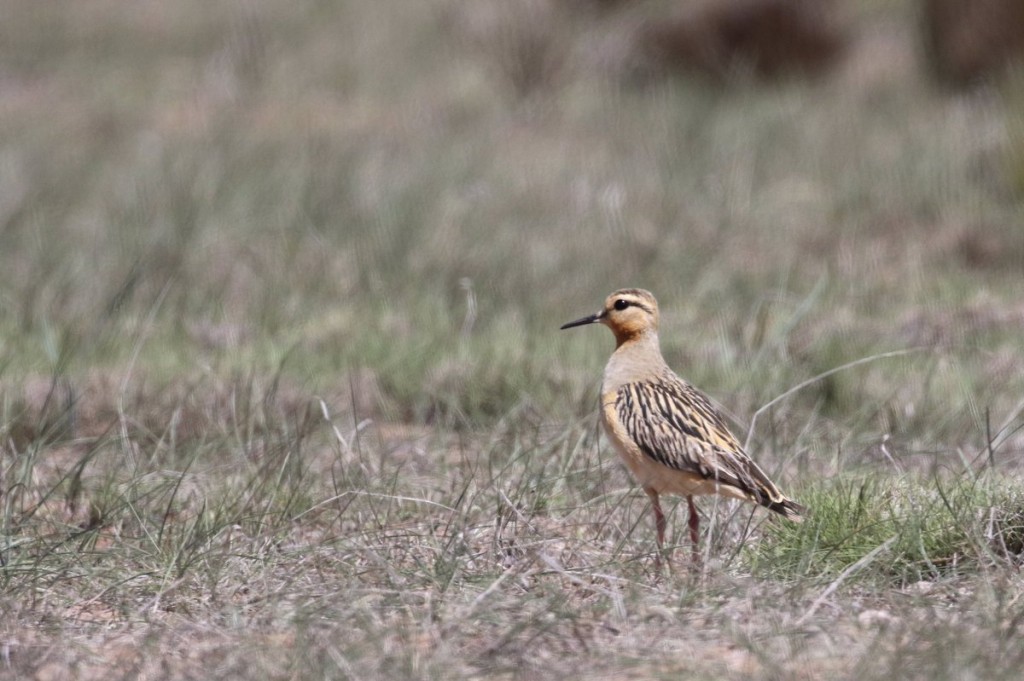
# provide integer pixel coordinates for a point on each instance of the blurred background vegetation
(396, 205)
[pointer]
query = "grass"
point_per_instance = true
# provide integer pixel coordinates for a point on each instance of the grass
(282, 393)
(930, 530)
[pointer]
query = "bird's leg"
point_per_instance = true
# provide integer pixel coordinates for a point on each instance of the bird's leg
(694, 529)
(659, 522)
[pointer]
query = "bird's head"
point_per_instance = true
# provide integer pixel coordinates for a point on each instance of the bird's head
(629, 312)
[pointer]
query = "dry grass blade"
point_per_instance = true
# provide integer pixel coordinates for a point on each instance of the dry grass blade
(838, 581)
(819, 377)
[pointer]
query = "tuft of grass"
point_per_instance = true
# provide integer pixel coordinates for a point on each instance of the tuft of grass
(916, 528)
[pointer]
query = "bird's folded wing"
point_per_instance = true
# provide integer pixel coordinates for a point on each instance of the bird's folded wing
(677, 426)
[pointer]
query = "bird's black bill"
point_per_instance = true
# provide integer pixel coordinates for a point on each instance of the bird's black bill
(590, 319)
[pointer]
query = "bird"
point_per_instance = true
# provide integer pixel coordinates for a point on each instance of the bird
(669, 434)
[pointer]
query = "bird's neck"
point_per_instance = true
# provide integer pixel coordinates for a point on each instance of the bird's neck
(636, 358)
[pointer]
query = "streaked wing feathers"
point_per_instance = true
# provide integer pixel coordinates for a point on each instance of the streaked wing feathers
(677, 426)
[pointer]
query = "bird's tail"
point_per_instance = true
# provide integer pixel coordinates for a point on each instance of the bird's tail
(787, 508)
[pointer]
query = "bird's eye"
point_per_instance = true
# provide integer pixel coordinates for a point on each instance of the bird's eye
(621, 304)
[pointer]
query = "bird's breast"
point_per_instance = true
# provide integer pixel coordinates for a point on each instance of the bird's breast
(624, 445)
